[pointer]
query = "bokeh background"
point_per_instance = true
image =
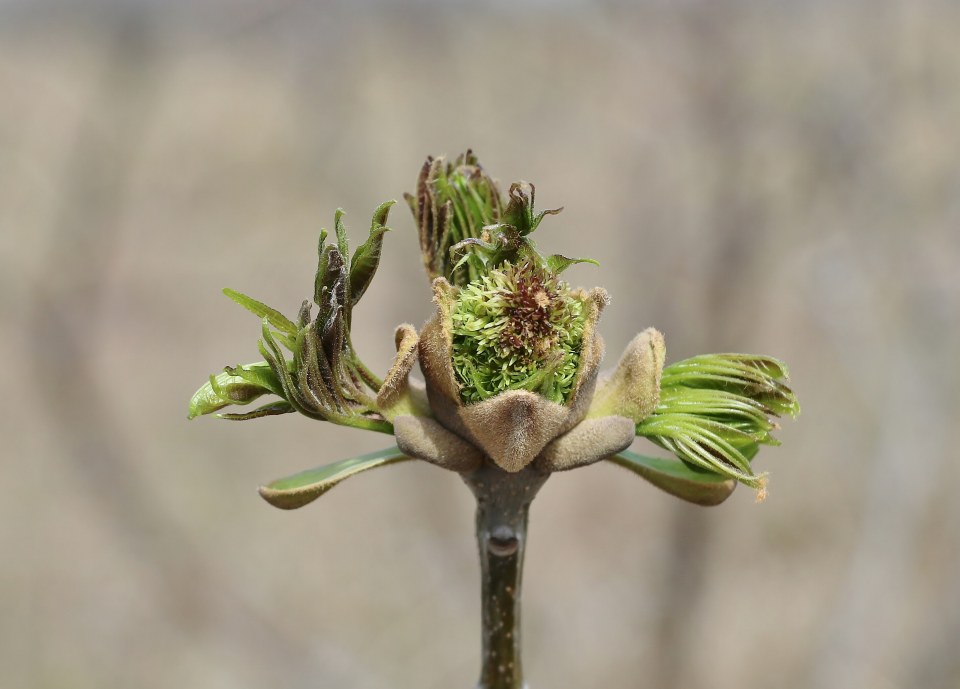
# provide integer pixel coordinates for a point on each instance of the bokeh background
(775, 177)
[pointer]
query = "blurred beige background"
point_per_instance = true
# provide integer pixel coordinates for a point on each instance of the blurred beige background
(777, 177)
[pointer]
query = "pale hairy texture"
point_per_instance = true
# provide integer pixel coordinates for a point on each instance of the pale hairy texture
(436, 344)
(589, 441)
(426, 439)
(633, 388)
(442, 390)
(394, 394)
(435, 360)
(511, 427)
(591, 352)
(591, 355)
(514, 426)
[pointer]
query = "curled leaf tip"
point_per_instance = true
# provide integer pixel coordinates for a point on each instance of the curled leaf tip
(762, 487)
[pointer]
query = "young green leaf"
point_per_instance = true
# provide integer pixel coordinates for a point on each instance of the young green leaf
(677, 478)
(275, 318)
(260, 374)
(323, 261)
(557, 263)
(303, 488)
(366, 259)
(222, 391)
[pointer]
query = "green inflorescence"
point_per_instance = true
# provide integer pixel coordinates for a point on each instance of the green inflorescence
(517, 327)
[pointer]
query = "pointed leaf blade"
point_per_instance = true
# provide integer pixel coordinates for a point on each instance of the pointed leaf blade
(558, 263)
(301, 489)
(341, 232)
(276, 319)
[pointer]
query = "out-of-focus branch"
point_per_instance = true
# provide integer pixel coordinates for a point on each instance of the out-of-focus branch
(725, 267)
(906, 468)
(64, 330)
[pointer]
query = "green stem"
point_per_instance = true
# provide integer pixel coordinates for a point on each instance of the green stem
(503, 503)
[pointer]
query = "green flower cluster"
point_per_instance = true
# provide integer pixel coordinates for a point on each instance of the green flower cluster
(517, 327)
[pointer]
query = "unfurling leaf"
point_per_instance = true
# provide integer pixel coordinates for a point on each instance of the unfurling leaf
(453, 202)
(467, 229)
(324, 379)
(760, 378)
(715, 410)
(240, 385)
(519, 211)
(259, 374)
(366, 259)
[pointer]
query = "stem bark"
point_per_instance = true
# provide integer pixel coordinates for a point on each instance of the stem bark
(503, 503)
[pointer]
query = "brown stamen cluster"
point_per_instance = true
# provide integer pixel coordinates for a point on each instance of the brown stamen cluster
(529, 326)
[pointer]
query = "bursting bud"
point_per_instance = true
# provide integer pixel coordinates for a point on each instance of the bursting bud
(510, 358)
